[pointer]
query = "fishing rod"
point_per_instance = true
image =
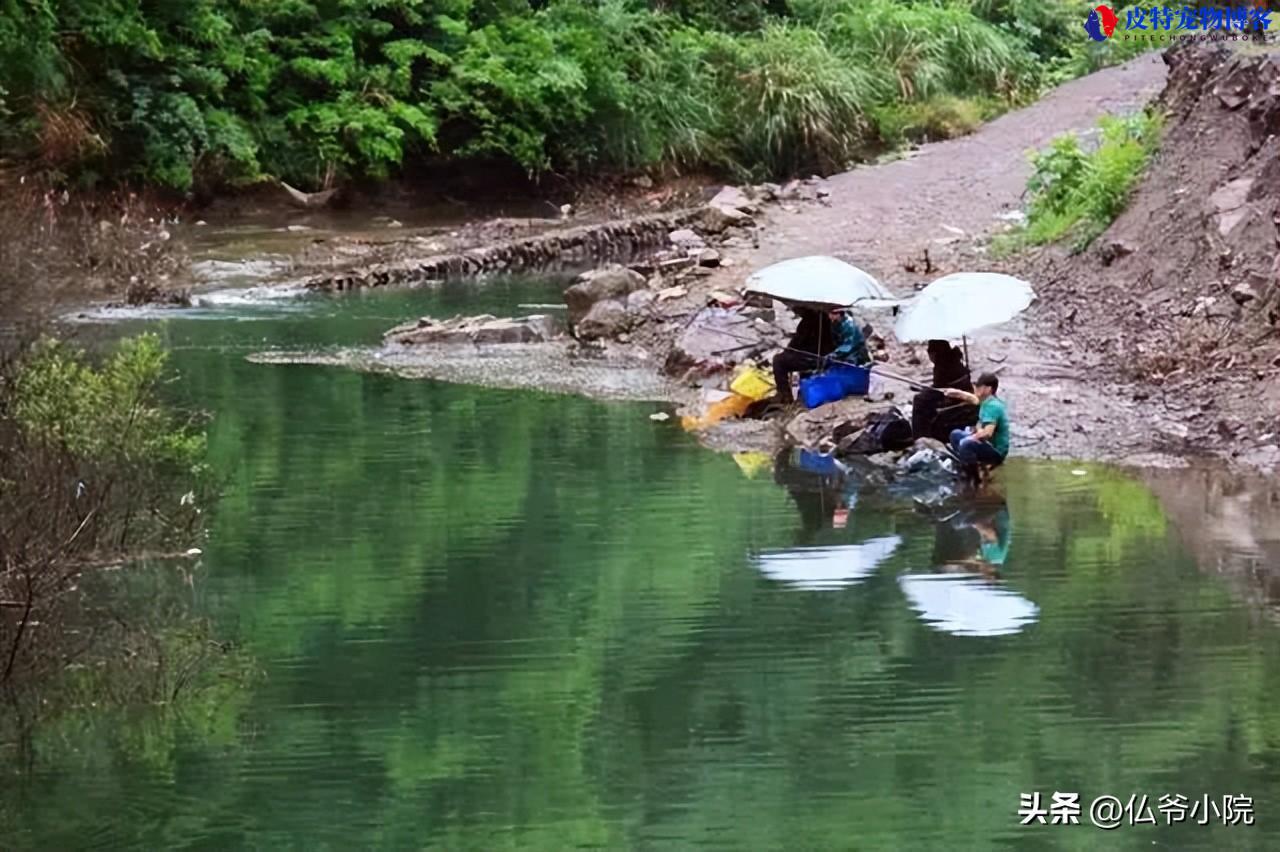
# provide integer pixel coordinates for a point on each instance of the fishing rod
(878, 371)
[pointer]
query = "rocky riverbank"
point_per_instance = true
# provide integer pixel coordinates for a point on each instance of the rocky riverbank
(931, 213)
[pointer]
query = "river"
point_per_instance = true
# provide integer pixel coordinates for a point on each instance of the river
(507, 620)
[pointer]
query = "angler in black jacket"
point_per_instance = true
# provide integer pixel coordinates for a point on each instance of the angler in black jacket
(815, 338)
(931, 415)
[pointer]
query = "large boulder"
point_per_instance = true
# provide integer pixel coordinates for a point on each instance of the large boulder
(715, 339)
(607, 318)
(640, 301)
(686, 238)
(530, 329)
(610, 282)
(832, 425)
(732, 198)
(716, 220)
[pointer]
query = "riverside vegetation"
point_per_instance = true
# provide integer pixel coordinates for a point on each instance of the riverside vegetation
(96, 470)
(200, 94)
(1075, 194)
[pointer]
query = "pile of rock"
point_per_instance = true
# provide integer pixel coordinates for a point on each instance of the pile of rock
(483, 329)
(612, 301)
(727, 220)
(606, 302)
(149, 292)
(845, 429)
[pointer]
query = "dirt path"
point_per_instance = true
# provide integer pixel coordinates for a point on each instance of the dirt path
(882, 213)
(946, 193)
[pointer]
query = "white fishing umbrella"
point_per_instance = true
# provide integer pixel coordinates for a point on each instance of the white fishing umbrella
(820, 280)
(825, 568)
(967, 604)
(959, 304)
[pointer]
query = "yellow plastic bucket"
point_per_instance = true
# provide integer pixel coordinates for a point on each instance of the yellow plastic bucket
(754, 383)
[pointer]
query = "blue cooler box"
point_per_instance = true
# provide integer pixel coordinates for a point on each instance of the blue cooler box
(834, 383)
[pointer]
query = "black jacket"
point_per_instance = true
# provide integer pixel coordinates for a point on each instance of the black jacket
(950, 372)
(815, 334)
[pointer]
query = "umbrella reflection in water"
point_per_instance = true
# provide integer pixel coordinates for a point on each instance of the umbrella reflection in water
(967, 604)
(827, 568)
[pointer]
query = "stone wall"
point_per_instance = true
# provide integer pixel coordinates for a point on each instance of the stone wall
(570, 248)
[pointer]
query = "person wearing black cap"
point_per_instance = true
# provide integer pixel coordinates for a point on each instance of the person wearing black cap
(930, 418)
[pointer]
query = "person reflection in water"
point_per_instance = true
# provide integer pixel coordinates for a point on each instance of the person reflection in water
(974, 540)
(994, 531)
(823, 498)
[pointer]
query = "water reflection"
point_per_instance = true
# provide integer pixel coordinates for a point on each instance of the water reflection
(975, 536)
(1230, 523)
(962, 596)
(965, 596)
(967, 604)
(822, 493)
(504, 621)
(820, 568)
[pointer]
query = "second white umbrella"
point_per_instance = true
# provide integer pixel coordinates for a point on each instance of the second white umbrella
(826, 568)
(959, 304)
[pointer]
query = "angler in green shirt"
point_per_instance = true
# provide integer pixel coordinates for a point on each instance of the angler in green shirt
(989, 443)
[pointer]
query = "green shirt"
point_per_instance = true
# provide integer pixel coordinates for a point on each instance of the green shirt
(995, 552)
(992, 411)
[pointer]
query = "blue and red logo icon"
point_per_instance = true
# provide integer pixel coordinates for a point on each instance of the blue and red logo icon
(1101, 23)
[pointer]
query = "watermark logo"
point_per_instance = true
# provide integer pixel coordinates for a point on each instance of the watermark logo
(1101, 23)
(1143, 22)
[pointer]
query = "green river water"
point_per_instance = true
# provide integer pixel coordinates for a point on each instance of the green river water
(504, 620)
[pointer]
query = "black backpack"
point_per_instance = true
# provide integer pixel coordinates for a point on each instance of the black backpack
(882, 431)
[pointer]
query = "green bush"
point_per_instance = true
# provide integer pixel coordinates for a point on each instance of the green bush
(793, 103)
(923, 50)
(94, 469)
(1075, 194)
(105, 415)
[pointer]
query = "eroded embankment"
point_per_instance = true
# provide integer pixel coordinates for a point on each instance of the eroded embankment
(561, 249)
(1179, 300)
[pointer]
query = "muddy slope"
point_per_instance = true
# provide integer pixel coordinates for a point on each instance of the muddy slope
(1181, 295)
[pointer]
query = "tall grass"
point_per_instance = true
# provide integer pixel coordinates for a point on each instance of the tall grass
(930, 49)
(1076, 194)
(841, 79)
(793, 103)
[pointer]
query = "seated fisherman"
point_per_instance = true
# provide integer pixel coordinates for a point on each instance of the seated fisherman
(989, 444)
(929, 417)
(820, 334)
(851, 345)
